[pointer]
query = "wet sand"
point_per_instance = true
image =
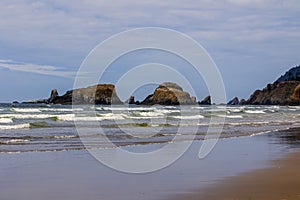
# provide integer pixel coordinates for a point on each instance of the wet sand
(279, 181)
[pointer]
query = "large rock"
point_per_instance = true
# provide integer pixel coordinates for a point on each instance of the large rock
(169, 94)
(243, 102)
(284, 91)
(205, 101)
(278, 93)
(99, 94)
(130, 100)
(53, 96)
(234, 101)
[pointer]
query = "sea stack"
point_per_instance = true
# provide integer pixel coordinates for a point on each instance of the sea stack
(169, 94)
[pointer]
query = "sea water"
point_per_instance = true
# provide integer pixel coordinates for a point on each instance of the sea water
(39, 128)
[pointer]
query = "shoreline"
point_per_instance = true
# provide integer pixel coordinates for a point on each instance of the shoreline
(280, 180)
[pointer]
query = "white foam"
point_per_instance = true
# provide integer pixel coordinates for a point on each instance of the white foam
(63, 117)
(189, 117)
(151, 114)
(16, 141)
(66, 117)
(6, 120)
(61, 109)
(231, 116)
(107, 116)
(10, 127)
(254, 111)
(65, 136)
(27, 110)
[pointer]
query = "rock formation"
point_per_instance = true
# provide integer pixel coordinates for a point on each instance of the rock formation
(205, 101)
(234, 101)
(243, 102)
(284, 91)
(278, 93)
(53, 95)
(169, 94)
(292, 75)
(98, 94)
(130, 100)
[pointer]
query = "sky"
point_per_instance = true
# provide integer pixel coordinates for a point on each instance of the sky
(43, 43)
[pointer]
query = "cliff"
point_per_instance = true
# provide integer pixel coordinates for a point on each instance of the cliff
(284, 91)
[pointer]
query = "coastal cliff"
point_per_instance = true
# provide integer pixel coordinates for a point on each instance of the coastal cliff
(284, 91)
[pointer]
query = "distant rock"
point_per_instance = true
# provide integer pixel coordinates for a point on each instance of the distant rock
(243, 102)
(15, 102)
(42, 101)
(169, 94)
(205, 101)
(130, 100)
(30, 102)
(99, 94)
(234, 101)
(53, 96)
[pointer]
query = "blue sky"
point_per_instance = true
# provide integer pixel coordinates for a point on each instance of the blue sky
(43, 43)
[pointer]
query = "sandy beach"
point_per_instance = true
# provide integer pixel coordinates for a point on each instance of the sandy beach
(280, 181)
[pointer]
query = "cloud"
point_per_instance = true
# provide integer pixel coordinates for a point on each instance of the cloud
(34, 68)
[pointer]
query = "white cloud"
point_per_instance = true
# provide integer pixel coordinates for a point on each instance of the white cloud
(34, 68)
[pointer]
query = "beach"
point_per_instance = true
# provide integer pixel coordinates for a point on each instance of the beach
(47, 160)
(279, 181)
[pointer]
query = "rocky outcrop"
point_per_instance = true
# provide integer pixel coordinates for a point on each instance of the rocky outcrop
(169, 94)
(234, 101)
(284, 91)
(278, 93)
(243, 102)
(99, 94)
(292, 75)
(205, 101)
(130, 100)
(53, 95)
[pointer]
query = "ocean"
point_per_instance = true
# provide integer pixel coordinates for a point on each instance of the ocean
(46, 128)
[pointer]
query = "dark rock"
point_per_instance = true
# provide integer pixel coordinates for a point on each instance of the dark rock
(278, 93)
(234, 101)
(30, 102)
(205, 101)
(53, 96)
(292, 75)
(130, 100)
(169, 94)
(42, 101)
(99, 94)
(15, 102)
(284, 91)
(243, 102)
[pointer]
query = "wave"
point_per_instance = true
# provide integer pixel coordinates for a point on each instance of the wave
(66, 136)
(15, 141)
(255, 111)
(61, 109)
(27, 110)
(17, 126)
(6, 120)
(231, 116)
(39, 125)
(189, 117)
(54, 117)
